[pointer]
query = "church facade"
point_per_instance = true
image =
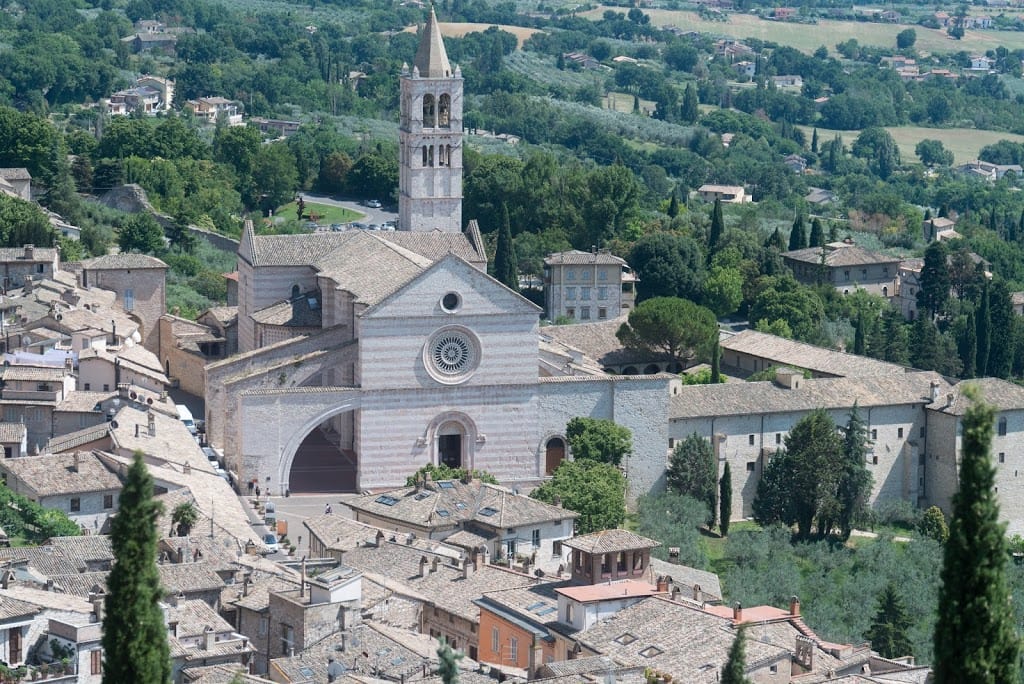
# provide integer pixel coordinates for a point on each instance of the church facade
(365, 355)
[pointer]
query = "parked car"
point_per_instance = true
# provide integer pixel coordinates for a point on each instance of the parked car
(211, 454)
(373, 204)
(270, 541)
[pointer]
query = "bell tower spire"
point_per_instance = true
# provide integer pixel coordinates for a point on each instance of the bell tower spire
(430, 138)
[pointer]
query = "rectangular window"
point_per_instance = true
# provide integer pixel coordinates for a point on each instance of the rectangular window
(570, 312)
(671, 443)
(874, 460)
(106, 387)
(536, 539)
(96, 661)
(570, 274)
(1002, 427)
(602, 274)
(920, 432)
(750, 440)
(570, 293)
(846, 275)
(585, 292)
(108, 501)
(88, 386)
(1002, 457)
(874, 435)
(751, 466)
(513, 649)
(778, 438)
(585, 313)
(495, 640)
(129, 299)
(287, 639)
(14, 644)
(602, 293)
(899, 432)
(602, 313)
(76, 504)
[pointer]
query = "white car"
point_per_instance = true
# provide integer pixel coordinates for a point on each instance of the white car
(270, 541)
(373, 204)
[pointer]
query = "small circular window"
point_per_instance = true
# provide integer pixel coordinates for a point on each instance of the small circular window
(451, 355)
(451, 302)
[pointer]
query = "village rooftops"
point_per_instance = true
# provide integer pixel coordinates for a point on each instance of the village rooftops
(608, 591)
(747, 398)
(838, 254)
(34, 373)
(62, 474)
(599, 342)
(608, 541)
(1002, 395)
(819, 360)
(12, 432)
(576, 257)
(122, 261)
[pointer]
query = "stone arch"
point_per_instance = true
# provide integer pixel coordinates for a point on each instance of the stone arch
(555, 450)
(296, 290)
(652, 369)
(629, 370)
(885, 291)
(444, 111)
(303, 428)
(440, 435)
(429, 112)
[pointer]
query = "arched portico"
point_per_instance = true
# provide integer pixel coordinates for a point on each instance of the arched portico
(453, 437)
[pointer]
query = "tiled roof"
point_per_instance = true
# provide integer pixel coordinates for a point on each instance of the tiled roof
(34, 373)
(372, 268)
(781, 351)
(73, 440)
(603, 592)
(39, 254)
(124, 260)
(194, 616)
(340, 532)
(189, 578)
(83, 401)
(227, 315)
(54, 475)
(843, 255)
(447, 503)
(742, 398)
(1003, 395)
(687, 578)
(434, 245)
(12, 432)
(11, 608)
(297, 313)
(576, 257)
(607, 541)
(598, 341)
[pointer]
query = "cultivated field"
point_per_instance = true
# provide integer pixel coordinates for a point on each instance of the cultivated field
(964, 143)
(458, 30)
(808, 37)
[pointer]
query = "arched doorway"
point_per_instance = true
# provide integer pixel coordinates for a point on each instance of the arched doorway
(450, 439)
(554, 454)
(326, 460)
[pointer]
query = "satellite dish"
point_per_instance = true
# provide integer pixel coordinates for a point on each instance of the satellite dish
(538, 573)
(133, 395)
(113, 425)
(59, 317)
(149, 401)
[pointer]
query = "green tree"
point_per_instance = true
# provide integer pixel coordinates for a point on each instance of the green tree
(933, 525)
(933, 153)
(877, 147)
(854, 485)
(675, 520)
(935, 280)
(983, 336)
(275, 177)
(689, 111)
(860, 335)
(967, 345)
(184, 517)
(440, 471)
(669, 325)
(141, 233)
(723, 290)
(889, 630)
(447, 662)
(23, 223)
(906, 38)
(817, 238)
(596, 439)
(673, 205)
(798, 235)
(1001, 321)
(134, 634)
(717, 229)
(505, 268)
(668, 265)
(594, 490)
(735, 669)
(725, 501)
(693, 471)
(716, 363)
(975, 636)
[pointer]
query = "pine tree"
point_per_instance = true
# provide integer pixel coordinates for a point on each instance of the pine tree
(935, 280)
(134, 634)
(735, 669)
(673, 206)
(776, 241)
(889, 629)
(717, 228)
(724, 501)
(984, 336)
(968, 345)
(506, 270)
(975, 637)
(817, 238)
(798, 236)
(854, 484)
(448, 659)
(814, 141)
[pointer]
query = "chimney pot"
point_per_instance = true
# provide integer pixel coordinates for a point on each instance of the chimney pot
(210, 637)
(737, 613)
(794, 606)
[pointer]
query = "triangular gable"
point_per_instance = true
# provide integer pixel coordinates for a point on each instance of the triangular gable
(245, 245)
(480, 293)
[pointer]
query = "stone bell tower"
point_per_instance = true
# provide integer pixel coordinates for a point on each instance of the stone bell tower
(430, 139)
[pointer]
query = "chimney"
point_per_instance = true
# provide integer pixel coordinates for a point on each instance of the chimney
(433, 564)
(137, 426)
(49, 585)
(378, 539)
(30, 252)
(949, 400)
(302, 578)
(662, 584)
(181, 555)
(423, 566)
(794, 606)
(5, 580)
(151, 418)
(246, 579)
(696, 592)
(77, 463)
(409, 538)
(737, 613)
(467, 568)
(210, 638)
(478, 560)
(96, 599)
(935, 390)
(28, 284)
(187, 468)
(172, 627)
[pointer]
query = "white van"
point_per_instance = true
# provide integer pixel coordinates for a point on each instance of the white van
(185, 416)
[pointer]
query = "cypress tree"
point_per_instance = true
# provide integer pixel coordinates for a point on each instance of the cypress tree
(860, 335)
(817, 238)
(814, 141)
(735, 669)
(968, 346)
(717, 228)
(854, 479)
(775, 240)
(798, 236)
(724, 501)
(716, 362)
(448, 659)
(984, 336)
(975, 637)
(1001, 338)
(889, 629)
(506, 270)
(690, 111)
(673, 206)
(134, 634)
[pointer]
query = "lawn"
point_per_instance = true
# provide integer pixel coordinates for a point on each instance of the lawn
(964, 143)
(827, 32)
(323, 214)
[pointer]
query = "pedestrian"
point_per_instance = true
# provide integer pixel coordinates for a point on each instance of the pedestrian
(327, 509)
(252, 485)
(257, 491)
